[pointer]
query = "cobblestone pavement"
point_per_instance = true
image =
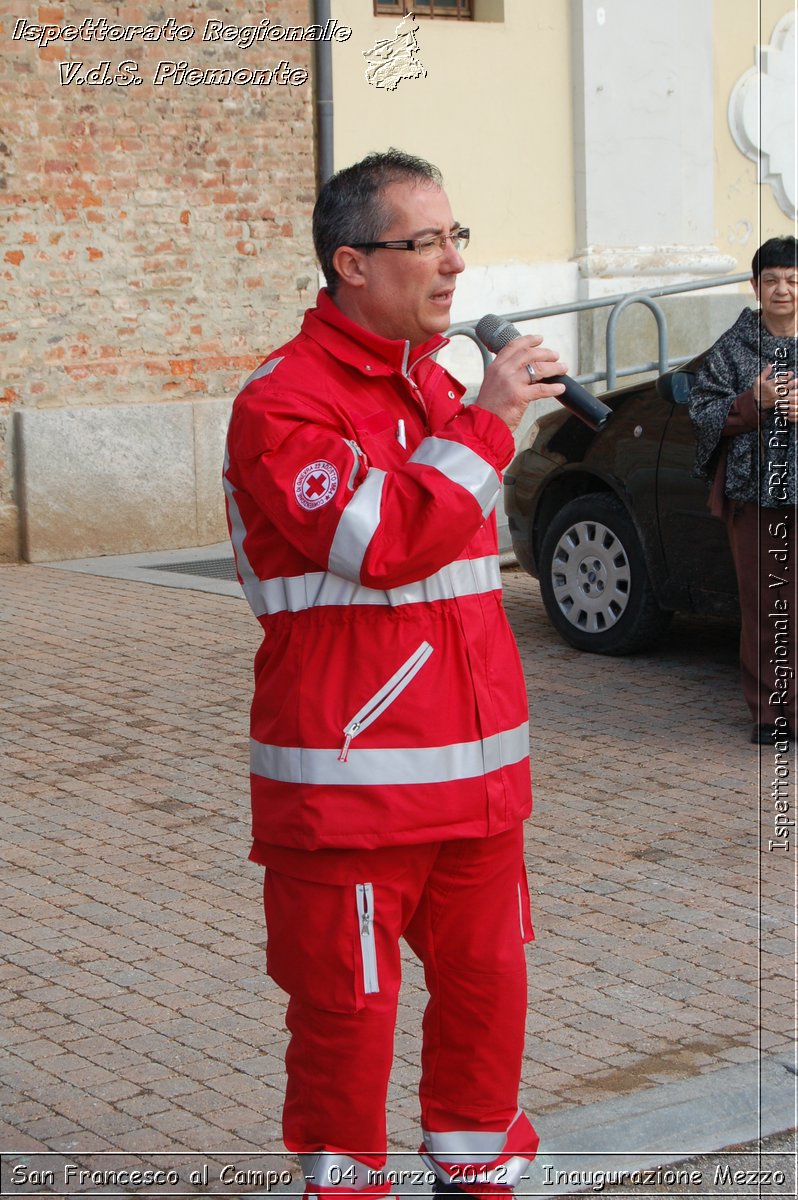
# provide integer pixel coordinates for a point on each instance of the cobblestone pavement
(137, 1016)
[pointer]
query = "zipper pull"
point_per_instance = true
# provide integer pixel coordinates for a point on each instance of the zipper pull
(364, 924)
(350, 732)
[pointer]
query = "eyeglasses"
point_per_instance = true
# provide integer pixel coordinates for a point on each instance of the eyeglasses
(430, 247)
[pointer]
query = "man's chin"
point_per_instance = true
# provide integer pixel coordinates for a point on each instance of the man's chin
(440, 318)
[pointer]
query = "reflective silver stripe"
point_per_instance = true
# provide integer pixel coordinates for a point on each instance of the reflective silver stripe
(467, 1146)
(508, 1174)
(325, 1170)
(389, 692)
(383, 767)
(249, 579)
(364, 893)
(357, 526)
(511, 1172)
(465, 577)
(261, 371)
(462, 465)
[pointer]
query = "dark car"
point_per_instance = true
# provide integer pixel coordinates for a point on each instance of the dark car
(613, 523)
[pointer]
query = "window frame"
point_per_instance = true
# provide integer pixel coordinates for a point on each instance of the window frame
(462, 10)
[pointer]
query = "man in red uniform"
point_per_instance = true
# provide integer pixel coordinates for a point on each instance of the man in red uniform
(389, 748)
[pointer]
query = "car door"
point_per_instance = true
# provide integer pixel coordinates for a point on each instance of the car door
(699, 567)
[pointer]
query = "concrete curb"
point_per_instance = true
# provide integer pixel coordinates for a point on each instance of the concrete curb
(666, 1124)
(654, 1127)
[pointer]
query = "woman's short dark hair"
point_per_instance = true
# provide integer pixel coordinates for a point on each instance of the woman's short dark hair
(775, 252)
(351, 206)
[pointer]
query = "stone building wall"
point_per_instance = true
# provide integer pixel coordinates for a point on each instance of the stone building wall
(157, 245)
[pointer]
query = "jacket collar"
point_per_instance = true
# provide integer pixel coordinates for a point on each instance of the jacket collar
(358, 347)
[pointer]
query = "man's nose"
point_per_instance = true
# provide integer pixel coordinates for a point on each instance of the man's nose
(453, 262)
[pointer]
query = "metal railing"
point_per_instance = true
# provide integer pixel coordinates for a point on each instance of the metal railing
(618, 303)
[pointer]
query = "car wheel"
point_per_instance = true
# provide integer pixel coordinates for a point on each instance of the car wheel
(593, 579)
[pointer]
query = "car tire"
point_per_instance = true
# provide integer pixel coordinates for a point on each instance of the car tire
(593, 579)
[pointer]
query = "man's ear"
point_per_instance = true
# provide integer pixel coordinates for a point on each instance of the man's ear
(349, 266)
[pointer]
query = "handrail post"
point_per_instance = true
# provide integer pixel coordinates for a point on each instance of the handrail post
(612, 321)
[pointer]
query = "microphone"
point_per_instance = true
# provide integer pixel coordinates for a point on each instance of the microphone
(495, 333)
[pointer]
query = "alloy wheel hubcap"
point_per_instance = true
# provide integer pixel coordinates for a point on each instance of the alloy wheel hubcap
(591, 576)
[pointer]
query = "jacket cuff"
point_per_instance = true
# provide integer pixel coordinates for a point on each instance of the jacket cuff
(486, 433)
(743, 414)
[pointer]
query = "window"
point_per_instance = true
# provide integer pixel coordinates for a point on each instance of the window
(461, 10)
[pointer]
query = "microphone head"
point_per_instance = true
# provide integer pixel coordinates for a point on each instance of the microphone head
(495, 333)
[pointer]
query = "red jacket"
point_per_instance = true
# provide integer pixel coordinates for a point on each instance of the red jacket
(389, 704)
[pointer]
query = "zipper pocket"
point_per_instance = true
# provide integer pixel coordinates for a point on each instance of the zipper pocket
(368, 949)
(382, 699)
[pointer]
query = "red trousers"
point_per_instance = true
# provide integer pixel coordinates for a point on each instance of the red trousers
(764, 546)
(333, 945)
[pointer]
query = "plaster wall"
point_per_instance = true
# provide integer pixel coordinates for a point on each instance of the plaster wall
(494, 112)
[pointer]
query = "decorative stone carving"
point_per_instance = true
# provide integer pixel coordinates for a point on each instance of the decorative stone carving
(761, 114)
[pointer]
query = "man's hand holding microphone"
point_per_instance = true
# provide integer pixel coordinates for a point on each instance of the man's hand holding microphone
(517, 376)
(525, 370)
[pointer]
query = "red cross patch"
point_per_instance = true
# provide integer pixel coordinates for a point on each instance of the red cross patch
(316, 484)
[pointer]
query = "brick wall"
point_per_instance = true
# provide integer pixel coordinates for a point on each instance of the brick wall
(158, 240)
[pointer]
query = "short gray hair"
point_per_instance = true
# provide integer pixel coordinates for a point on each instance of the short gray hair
(351, 206)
